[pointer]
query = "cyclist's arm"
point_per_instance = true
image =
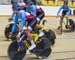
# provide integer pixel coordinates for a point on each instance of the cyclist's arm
(23, 21)
(33, 12)
(15, 24)
(12, 16)
(59, 10)
(68, 13)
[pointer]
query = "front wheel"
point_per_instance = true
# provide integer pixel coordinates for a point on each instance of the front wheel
(13, 54)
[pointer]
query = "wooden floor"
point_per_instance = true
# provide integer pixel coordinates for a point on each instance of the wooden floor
(64, 48)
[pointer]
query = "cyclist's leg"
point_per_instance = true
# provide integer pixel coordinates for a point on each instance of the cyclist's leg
(63, 15)
(61, 19)
(13, 27)
(30, 38)
(40, 16)
(29, 33)
(67, 20)
(22, 24)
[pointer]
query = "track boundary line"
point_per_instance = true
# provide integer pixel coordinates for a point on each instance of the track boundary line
(64, 51)
(53, 52)
(65, 58)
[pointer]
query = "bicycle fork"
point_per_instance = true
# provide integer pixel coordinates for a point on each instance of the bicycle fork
(20, 42)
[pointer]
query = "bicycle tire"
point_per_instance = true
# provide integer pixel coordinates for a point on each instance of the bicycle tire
(8, 30)
(13, 54)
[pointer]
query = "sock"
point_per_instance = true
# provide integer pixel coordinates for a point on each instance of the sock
(32, 42)
(40, 33)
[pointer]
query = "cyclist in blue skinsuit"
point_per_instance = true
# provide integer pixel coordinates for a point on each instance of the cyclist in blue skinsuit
(19, 15)
(20, 3)
(16, 3)
(65, 12)
(12, 17)
(31, 8)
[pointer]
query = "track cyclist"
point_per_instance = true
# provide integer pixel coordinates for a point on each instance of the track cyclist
(33, 21)
(32, 9)
(65, 12)
(19, 15)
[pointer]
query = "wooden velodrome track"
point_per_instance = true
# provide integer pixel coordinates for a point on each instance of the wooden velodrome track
(64, 48)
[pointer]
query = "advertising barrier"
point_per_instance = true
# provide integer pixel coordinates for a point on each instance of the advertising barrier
(49, 10)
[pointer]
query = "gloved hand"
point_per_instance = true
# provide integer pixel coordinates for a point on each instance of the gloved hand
(66, 16)
(58, 16)
(10, 19)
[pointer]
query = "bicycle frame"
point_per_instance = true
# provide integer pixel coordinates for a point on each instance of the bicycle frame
(35, 36)
(62, 22)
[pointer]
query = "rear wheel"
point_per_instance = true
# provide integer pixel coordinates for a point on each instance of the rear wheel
(72, 25)
(43, 48)
(51, 36)
(47, 47)
(13, 52)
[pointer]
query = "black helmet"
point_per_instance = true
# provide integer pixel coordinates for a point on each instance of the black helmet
(65, 3)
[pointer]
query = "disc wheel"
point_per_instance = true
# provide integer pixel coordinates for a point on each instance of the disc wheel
(50, 35)
(43, 48)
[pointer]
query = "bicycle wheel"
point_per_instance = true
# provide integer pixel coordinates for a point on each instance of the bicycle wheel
(8, 30)
(13, 54)
(72, 25)
(43, 48)
(51, 36)
(46, 43)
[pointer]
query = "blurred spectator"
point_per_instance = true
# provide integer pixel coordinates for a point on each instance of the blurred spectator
(72, 1)
(47, 1)
(56, 2)
(34, 1)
